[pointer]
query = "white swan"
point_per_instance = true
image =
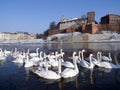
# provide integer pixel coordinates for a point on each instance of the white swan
(28, 62)
(20, 58)
(7, 52)
(68, 64)
(96, 60)
(105, 58)
(37, 59)
(55, 62)
(49, 74)
(69, 72)
(2, 55)
(104, 64)
(86, 64)
(33, 54)
(42, 62)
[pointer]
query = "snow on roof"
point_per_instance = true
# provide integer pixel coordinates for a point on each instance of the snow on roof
(67, 20)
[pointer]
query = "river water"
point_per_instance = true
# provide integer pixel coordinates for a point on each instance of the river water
(16, 77)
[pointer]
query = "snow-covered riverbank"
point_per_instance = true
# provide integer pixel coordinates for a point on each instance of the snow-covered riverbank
(70, 38)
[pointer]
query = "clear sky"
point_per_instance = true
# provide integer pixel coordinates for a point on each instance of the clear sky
(35, 16)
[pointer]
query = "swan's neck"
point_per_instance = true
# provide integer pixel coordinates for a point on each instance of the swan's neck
(79, 56)
(75, 63)
(46, 68)
(24, 54)
(56, 56)
(82, 56)
(37, 52)
(59, 66)
(100, 55)
(110, 56)
(28, 51)
(90, 61)
(15, 50)
(41, 55)
(27, 58)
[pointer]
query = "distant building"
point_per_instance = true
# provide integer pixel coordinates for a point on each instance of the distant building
(110, 19)
(16, 36)
(85, 24)
(110, 22)
(77, 22)
(88, 24)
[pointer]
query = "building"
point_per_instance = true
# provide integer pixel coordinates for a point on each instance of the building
(16, 36)
(85, 24)
(77, 22)
(110, 19)
(110, 22)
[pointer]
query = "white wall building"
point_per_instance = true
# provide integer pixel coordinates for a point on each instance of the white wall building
(71, 23)
(16, 36)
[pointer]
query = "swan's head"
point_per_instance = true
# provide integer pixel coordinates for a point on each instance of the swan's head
(83, 50)
(52, 53)
(74, 53)
(37, 48)
(61, 50)
(91, 55)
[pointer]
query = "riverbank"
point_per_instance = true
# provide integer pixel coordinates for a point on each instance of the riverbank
(91, 38)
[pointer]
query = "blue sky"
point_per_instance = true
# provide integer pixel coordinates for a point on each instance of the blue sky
(34, 16)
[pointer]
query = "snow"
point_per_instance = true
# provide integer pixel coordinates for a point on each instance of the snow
(63, 35)
(108, 36)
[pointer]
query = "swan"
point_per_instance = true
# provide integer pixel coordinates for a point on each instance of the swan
(19, 60)
(37, 59)
(69, 72)
(49, 74)
(104, 64)
(2, 55)
(28, 62)
(68, 64)
(33, 54)
(105, 58)
(55, 62)
(7, 52)
(43, 62)
(86, 64)
(96, 60)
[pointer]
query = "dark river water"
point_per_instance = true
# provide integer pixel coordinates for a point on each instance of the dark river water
(17, 77)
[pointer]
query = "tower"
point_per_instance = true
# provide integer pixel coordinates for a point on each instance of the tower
(91, 17)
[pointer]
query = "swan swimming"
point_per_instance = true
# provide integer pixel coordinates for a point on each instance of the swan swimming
(104, 64)
(49, 74)
(69, 72)
(86, 64)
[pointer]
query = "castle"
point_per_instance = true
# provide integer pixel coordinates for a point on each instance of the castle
(88, 24)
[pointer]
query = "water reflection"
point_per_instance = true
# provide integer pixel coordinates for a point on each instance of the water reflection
(117, 76)
(27, 71)
(93, 46)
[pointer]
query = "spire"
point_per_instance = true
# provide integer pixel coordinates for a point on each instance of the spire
(63, 18)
